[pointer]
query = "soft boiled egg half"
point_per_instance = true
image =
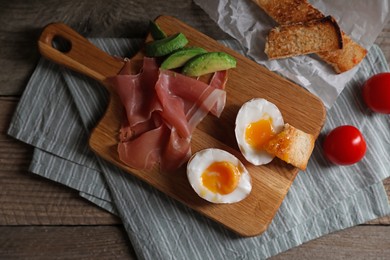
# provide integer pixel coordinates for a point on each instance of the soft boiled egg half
(257, 121)
(218, 176)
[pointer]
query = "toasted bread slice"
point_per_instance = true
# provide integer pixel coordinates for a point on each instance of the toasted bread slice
(303, 38)
(290, 11)
(295, 11)
(292, 146)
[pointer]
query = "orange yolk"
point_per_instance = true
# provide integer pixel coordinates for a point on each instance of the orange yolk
(257, 134)
(221, 177)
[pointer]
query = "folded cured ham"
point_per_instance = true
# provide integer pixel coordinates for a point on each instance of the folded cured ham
(162, 109)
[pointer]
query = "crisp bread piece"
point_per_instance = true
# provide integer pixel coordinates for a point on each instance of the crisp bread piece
(303, 38)
(292, 146)
(295, 11)
(290, 11)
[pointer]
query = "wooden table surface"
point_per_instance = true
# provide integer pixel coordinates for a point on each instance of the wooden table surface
(41, 218)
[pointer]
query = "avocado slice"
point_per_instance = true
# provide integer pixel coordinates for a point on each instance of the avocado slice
(165, 46)
(180, 57)
(208, 63)
(156, 31)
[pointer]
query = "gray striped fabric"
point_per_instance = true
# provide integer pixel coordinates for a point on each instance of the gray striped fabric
(59, 107)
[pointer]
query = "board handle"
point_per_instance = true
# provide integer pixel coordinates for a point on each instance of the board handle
(77, 53)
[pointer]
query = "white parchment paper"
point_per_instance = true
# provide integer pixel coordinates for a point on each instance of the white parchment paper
(362, 20)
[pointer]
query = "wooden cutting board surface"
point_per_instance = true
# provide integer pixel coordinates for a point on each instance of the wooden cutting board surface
(249, 80)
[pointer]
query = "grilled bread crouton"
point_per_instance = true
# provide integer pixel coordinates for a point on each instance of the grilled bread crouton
(292, 146)
(303, 38)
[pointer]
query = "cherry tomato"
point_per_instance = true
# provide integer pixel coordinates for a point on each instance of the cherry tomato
(376, 93)
(344, 145)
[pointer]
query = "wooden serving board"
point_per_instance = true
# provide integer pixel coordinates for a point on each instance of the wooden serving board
(270, 182)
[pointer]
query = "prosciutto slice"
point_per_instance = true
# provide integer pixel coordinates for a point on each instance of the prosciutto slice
(136, 92)
(161, 110)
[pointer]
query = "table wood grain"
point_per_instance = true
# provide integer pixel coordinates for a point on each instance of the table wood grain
(40, 218)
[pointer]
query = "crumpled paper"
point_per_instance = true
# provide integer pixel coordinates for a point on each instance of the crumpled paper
(249, 24)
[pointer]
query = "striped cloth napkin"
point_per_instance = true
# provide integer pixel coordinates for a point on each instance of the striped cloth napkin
(59, 108)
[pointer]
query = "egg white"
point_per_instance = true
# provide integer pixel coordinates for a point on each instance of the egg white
(200, 161)
(252, 111)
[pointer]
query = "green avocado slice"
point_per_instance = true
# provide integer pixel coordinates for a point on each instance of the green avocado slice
(156, 31)
(208, 63)
(165, 46)
(180, 57)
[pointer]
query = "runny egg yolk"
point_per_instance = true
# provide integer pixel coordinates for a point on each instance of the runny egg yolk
(221, 177)
(258, 133)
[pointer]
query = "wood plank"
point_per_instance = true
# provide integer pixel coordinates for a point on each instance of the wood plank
(21, 25)
(28, 199)
(51, 242)
(102, 242)
(361, 242)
